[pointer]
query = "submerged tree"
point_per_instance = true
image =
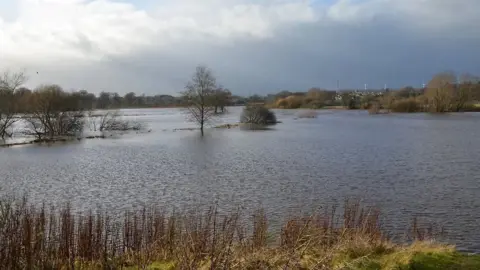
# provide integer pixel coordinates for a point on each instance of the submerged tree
(54, 113)
(9, 83)
(221, 99)
(199, 96)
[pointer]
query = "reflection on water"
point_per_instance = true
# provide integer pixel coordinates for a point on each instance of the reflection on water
(424, 165)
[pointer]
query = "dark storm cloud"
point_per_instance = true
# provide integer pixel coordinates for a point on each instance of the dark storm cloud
(308, 55)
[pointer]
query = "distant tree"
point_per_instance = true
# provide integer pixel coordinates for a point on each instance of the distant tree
(103, 101)
(255, 99)
(141, 101)
(22, 97)
(405, 92)
(367, 100)
(349, 100)
(472, 83)
(283, 94)
(316, 98)
(387, 100)
(130, 99)
(84, 100)
(440, 92)
(221, 99)
(466, 91)
(9, 83)
(199, 96)
(116, 100)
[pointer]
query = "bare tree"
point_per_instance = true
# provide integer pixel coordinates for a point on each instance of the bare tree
(464, 91)
(199, 95)
(472, 82)
(316, 97)
(9, 83)
(54, 113)
(221, 99)
(387, 100)
(440, 92)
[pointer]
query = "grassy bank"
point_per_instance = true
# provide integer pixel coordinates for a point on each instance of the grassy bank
(352, 238)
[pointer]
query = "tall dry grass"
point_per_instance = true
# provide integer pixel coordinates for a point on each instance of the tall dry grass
(37, 237)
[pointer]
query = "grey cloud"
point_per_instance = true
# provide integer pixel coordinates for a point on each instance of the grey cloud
(300, 57)
(387, 48)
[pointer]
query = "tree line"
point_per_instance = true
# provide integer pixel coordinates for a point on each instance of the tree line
(49, 111)
(445, 92)
(109, 100)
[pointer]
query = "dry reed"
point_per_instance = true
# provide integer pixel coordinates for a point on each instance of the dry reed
(33, 237)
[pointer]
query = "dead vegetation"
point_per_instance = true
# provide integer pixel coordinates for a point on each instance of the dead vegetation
(47, 238)
(112, 121)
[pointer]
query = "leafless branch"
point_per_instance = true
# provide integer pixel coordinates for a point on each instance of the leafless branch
(9, 82)
(200, 96)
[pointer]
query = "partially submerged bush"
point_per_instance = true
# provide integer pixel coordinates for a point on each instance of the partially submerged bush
(111, 121)
(258, 115)
(53, 113)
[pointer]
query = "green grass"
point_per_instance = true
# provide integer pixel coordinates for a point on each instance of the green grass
(418, 256)
(446, 261)
(160, 266)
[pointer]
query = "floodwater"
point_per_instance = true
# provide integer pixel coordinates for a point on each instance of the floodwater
(408, 165)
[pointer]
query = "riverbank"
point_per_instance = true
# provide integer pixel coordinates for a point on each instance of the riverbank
(153, 238)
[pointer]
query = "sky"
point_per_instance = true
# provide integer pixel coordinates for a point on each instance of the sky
(252, 47)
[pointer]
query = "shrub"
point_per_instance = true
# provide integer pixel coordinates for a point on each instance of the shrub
(408, 105)
(110, 121)
(290, 102)
(259, 115)
(282, 103)
(374, 108)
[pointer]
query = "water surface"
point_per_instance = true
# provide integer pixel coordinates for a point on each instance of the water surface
(408, 164)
